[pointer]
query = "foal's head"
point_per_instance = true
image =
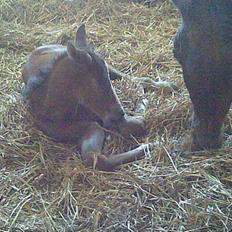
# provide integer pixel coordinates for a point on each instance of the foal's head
(96, 92)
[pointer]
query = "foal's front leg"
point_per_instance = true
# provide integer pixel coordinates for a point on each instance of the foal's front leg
(90, 137)
(91, 146)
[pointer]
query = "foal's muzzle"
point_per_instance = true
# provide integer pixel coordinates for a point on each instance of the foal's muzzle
(112, 120)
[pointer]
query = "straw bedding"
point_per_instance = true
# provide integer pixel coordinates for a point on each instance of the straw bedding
(43, 184)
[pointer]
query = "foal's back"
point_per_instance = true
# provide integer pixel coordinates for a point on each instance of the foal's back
(46, 76)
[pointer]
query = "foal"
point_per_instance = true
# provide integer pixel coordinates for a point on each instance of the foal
(71, 98)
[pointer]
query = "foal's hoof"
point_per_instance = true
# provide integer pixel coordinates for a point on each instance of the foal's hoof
(132, 126)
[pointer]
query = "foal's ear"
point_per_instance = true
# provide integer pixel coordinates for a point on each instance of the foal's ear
(79, 56)
(81, 40)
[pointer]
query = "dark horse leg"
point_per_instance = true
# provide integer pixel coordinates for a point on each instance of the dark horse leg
(203, 48)
(211, 97)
